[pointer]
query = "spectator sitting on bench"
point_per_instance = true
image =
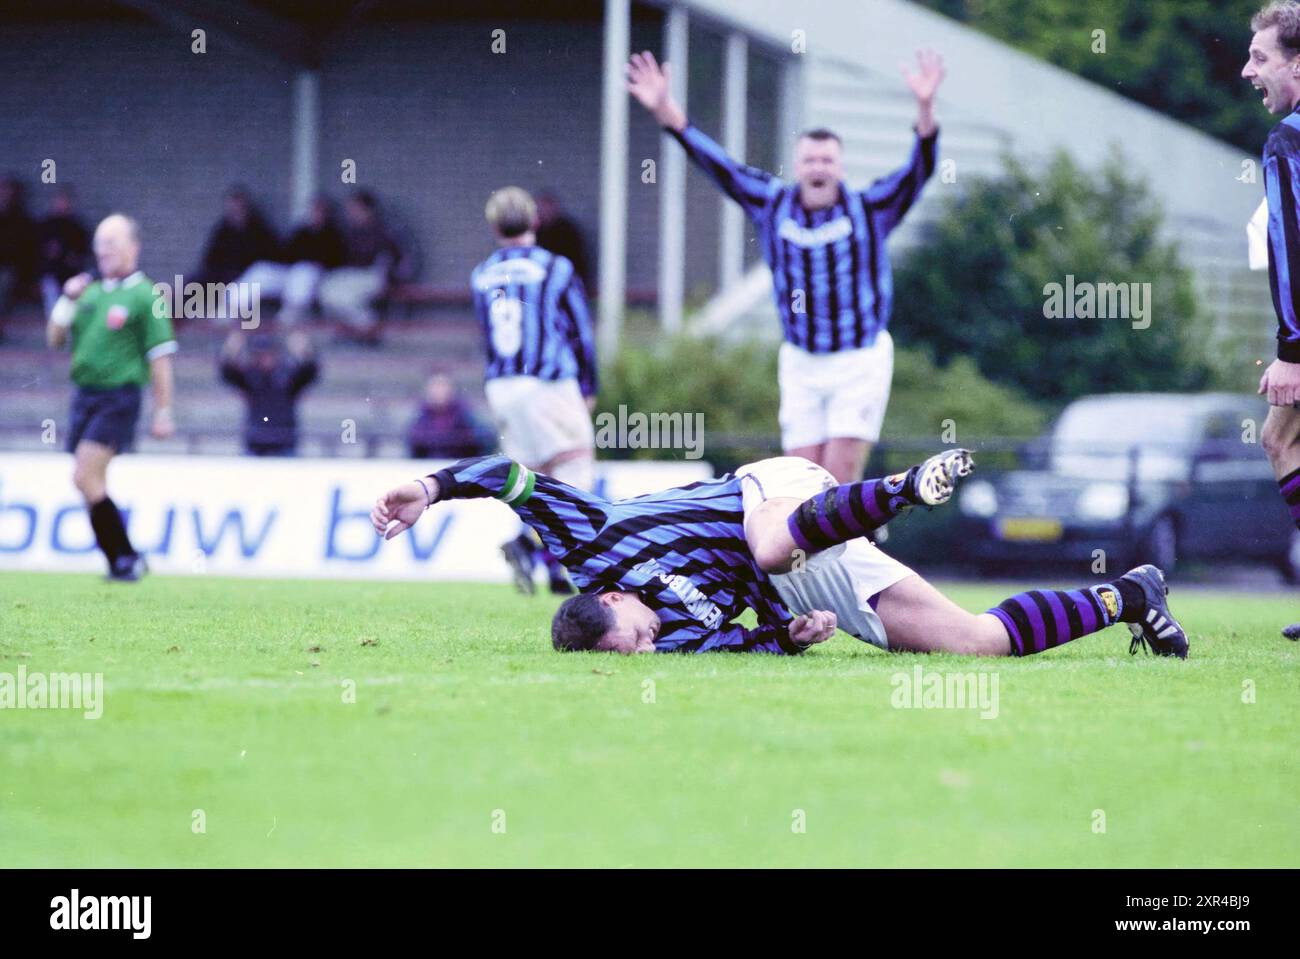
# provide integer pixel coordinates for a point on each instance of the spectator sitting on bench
(240, 239)
(18, 249)
(271, 377)
(64, 246)
(349, 292)
(314, 247)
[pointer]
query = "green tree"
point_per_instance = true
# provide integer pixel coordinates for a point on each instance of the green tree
(1181, 57)
(977, 285)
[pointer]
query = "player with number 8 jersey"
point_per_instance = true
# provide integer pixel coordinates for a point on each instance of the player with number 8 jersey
(541, 362)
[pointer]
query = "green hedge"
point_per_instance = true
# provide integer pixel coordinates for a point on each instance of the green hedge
(734, 387)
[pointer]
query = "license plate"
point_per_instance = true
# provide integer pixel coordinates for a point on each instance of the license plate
(1030, 530)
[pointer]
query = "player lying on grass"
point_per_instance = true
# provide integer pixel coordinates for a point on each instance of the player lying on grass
(669, 571)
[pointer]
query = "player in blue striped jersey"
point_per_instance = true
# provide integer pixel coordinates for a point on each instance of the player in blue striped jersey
(671, 571)
(541, 361)
(1273, 66)
(831, 277)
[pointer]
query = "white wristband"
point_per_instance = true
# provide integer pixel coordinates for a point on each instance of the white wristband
(63, 313)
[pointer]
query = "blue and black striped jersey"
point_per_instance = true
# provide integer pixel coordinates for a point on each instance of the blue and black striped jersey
(1282, 186)
(831, 275)
(534, 314)
(682, 550)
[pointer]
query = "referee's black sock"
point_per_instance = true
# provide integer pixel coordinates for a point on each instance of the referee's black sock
(110, 531)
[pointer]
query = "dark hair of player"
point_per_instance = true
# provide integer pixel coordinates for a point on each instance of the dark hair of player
(580, 622)
(821, 134)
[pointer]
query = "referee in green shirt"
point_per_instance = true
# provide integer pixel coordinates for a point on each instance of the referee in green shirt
(121, 339)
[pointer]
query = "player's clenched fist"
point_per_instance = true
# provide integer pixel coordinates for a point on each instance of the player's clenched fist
(816, 626)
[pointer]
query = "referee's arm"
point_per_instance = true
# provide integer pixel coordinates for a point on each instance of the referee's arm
(64, 311)
(159, 345)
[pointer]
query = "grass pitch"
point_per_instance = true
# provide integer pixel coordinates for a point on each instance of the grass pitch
(227, 740)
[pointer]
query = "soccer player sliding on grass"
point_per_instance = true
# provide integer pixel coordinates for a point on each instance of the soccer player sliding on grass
(670, 571)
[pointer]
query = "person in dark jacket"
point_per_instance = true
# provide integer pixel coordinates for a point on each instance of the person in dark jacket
(560, 233)
(64, 246)
(240, 238)
(18, 244)
(271, 376)
(349, 292)
(444, 427)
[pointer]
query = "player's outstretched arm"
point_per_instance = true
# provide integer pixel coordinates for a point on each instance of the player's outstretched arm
(563, 515)
(890, 197)
(748, 186)
(648, 82)
(924, 83)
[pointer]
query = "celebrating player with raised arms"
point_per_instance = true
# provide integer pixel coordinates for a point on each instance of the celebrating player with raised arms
(541, 362)
(671, 571)
(825, 245)
(121, 339)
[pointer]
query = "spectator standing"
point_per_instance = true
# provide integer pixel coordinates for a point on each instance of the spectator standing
(271, 377)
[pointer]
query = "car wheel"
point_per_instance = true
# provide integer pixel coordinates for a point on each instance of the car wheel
(1160, 547)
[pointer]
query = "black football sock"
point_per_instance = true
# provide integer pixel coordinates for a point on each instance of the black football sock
(110, 531)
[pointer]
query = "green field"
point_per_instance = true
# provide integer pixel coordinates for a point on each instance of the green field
(471, 743)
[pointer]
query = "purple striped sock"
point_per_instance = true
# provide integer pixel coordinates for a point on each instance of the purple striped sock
(846, 512)
(1290, 487)
(1042, 619)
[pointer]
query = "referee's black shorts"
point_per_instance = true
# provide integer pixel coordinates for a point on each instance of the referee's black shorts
(106, 416)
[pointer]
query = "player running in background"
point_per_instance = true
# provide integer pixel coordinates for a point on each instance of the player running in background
(670, 571)
(541, 363)
(121, 339)
(825, 245)
(1273, 66)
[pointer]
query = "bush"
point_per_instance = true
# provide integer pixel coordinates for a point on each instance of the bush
(976, 286)
(734, 386)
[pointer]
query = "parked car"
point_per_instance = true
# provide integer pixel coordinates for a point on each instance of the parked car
(1146, 477)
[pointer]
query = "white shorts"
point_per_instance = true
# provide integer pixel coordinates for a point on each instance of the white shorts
(831, 395)
(844, 578)
(539, 419)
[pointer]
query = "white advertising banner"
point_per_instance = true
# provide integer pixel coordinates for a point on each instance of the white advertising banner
(244, 516)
